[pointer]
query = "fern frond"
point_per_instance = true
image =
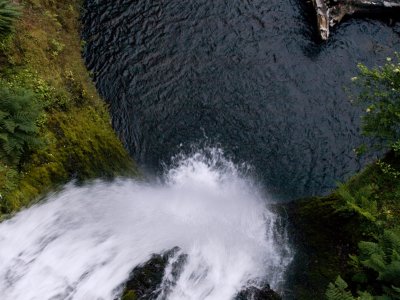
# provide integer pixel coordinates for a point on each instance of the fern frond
(18, 129)
(8, 14)
(365, 296)
(337, 291)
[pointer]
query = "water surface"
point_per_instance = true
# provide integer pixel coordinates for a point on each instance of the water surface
(247, 76)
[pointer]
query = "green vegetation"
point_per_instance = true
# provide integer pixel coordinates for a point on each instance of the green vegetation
(333, 227)
(18, 129)
(355, 231)
(53, 125)
(376, 269)
(380, 97)
(8, 14)
(339, 290)
(378, 263)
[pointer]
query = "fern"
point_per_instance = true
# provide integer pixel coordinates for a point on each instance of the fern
(365, 296)
(8, 14)
(18, 129)
(338, 290)
(383, 257)
(360, 203)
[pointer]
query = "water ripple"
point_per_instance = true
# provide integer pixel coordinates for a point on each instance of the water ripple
(248, 74)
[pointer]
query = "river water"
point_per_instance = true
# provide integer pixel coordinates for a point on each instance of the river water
(246, 76)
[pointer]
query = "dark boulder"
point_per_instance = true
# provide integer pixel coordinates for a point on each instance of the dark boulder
(145, 281)
(254, 293)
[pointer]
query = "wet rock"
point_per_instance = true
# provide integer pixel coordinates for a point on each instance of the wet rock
(146, 281)
(149, 281)
(254, 293)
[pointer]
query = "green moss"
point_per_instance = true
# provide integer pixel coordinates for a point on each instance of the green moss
(323, 241)
(130, 295)
(79, 145)
(44, 56)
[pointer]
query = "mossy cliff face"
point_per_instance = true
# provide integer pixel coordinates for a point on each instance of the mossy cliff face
(323, 242)
(43, 55)
(327, 230)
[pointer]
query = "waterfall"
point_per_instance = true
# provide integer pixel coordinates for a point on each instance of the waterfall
(83, 242)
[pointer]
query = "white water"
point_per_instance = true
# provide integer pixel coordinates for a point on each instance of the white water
(83, 242)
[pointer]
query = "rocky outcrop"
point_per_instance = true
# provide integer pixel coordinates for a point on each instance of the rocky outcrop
(331, 12)
(147, 282)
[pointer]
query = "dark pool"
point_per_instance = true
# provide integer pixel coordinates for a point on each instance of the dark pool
(246, 76)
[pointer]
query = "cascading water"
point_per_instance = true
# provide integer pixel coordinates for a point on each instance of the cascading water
(83, 242)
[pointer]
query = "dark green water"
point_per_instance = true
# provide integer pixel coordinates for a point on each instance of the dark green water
(246, 76)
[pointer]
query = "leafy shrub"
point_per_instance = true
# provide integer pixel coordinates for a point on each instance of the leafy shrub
(18, 129)
(380, 97)
(8, 14)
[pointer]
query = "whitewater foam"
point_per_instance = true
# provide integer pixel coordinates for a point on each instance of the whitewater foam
(83, 242)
